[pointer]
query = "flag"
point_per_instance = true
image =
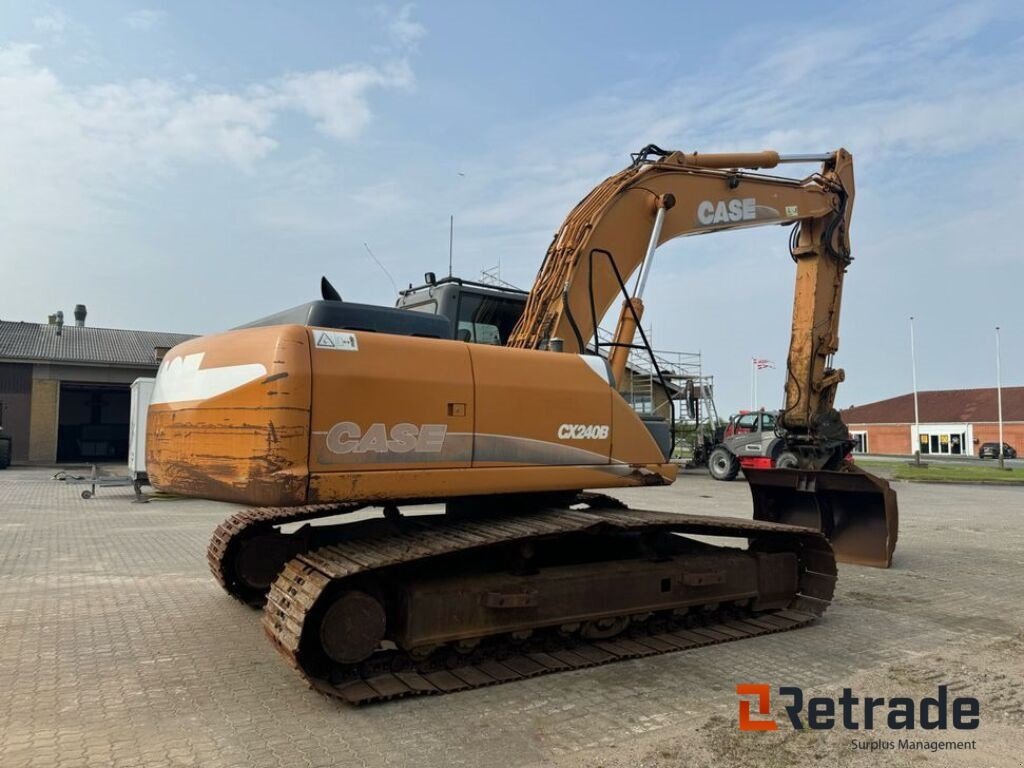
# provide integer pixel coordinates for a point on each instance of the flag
(761, 363)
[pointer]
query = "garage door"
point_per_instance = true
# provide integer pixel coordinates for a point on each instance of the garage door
(92, 425)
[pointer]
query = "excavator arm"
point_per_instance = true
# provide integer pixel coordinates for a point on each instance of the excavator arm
(614, 231)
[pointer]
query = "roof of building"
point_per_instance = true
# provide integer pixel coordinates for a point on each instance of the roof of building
(941, 406)
(40, 342)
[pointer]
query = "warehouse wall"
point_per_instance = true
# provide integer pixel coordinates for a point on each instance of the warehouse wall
(895, 438)
(885, 438)
(988, 432)
(42, 439)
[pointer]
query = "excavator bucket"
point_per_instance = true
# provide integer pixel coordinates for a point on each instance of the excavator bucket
(855, 510)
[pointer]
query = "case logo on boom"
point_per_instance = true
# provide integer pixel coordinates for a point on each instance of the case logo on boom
(727, 211)
(583, 432)
(348, 437)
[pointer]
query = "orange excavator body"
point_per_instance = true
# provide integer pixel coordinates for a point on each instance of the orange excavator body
(381, 418)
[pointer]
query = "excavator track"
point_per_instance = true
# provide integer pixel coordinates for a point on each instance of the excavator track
(300, 596)
(230, 537)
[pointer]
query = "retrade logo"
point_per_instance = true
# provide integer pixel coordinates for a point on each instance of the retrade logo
(764, 707)
(854, 713)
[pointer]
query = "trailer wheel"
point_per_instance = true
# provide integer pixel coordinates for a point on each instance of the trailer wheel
(723, 465)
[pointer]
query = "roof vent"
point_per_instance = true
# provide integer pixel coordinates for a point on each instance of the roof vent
(80, 315)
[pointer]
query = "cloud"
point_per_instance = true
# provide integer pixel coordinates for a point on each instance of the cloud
(53, 22)
(77, 148)
(403, 30)
(932, 118)
(859, 89)
(145, 18)
(336, 99)
(387, 197)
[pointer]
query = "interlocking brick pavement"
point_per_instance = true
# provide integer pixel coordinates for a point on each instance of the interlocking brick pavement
(118, 648)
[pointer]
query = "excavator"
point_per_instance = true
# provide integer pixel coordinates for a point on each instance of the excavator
(318, 412)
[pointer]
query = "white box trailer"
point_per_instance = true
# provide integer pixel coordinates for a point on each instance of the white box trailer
(142, 394)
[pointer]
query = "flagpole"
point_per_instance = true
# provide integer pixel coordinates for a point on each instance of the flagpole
(752, 375)
(754, 407)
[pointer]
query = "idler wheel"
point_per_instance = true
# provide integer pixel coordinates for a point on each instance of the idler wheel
(353, 627)
(602, 629)
(261, 558)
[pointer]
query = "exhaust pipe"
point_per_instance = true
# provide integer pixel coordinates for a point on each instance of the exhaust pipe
(855, 510)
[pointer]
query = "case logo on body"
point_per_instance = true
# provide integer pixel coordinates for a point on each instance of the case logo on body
(583, 432)
(348, 437)
(727, 211)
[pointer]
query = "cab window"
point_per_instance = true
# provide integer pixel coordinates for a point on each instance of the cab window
(767, 422)
(430, 307)
(486, 319)
(746, 423)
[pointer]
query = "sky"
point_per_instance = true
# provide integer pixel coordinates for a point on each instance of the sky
(193, 166)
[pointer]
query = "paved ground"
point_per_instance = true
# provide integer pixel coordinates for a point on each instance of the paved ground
(117, 648)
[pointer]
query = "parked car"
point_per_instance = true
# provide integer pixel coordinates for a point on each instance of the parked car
(991, 451)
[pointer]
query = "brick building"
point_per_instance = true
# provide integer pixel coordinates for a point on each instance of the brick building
(952, 422)
(65, 389)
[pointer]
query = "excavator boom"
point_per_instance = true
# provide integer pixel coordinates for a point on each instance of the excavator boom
(602, 243)
(614, 232)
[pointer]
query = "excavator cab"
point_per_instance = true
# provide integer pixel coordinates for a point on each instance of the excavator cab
(476, 312)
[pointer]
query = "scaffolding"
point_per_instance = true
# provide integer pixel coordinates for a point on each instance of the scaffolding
(688, 394)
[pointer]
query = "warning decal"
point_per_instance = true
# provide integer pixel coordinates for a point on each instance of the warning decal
(346, 342)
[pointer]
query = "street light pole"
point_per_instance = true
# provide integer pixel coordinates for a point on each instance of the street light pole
(917, 414)
(999, 400)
